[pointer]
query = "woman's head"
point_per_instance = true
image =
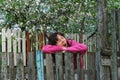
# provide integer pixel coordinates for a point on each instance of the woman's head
(57, 39)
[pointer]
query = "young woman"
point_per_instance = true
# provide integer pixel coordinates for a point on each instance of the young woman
(57, 42)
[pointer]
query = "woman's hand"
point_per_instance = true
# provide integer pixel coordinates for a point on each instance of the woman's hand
(64, 49)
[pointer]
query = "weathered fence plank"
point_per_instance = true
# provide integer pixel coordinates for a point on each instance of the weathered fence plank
(19, 41)
(59, 66)
(90, 71)
(24, 47)
(28, 44)
(106, 73)
(40, 65)
(69, 72)
(15, 45)
(11, 67)
(3, 40)
(31, 67)
(50, 75)
(78, 67)
(9, 46)
(4, 71)
(20, 67)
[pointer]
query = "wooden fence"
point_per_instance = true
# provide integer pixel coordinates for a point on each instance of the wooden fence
(21, 61)
(63, 68)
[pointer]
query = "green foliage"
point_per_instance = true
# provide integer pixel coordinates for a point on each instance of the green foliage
(25, 13)
(113, 4)
(62, 15)
(53, 15)
(68, 15)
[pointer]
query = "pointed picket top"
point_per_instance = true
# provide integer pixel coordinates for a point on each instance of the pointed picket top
(3, 40)
(9, 45)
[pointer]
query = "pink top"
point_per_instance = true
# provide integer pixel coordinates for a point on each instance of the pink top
(75, 47)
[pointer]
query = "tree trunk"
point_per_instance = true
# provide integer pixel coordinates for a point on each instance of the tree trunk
(103, 25)
(119, 30)
(114, 47)
(102, 36)
(82, 29)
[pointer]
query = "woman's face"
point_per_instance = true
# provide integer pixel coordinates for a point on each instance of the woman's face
(61, 41)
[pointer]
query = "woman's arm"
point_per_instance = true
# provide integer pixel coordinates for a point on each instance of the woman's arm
(51, 48)
(76, 47)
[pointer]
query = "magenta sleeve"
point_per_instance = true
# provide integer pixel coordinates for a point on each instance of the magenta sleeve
(76, 47)
(51, 48)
